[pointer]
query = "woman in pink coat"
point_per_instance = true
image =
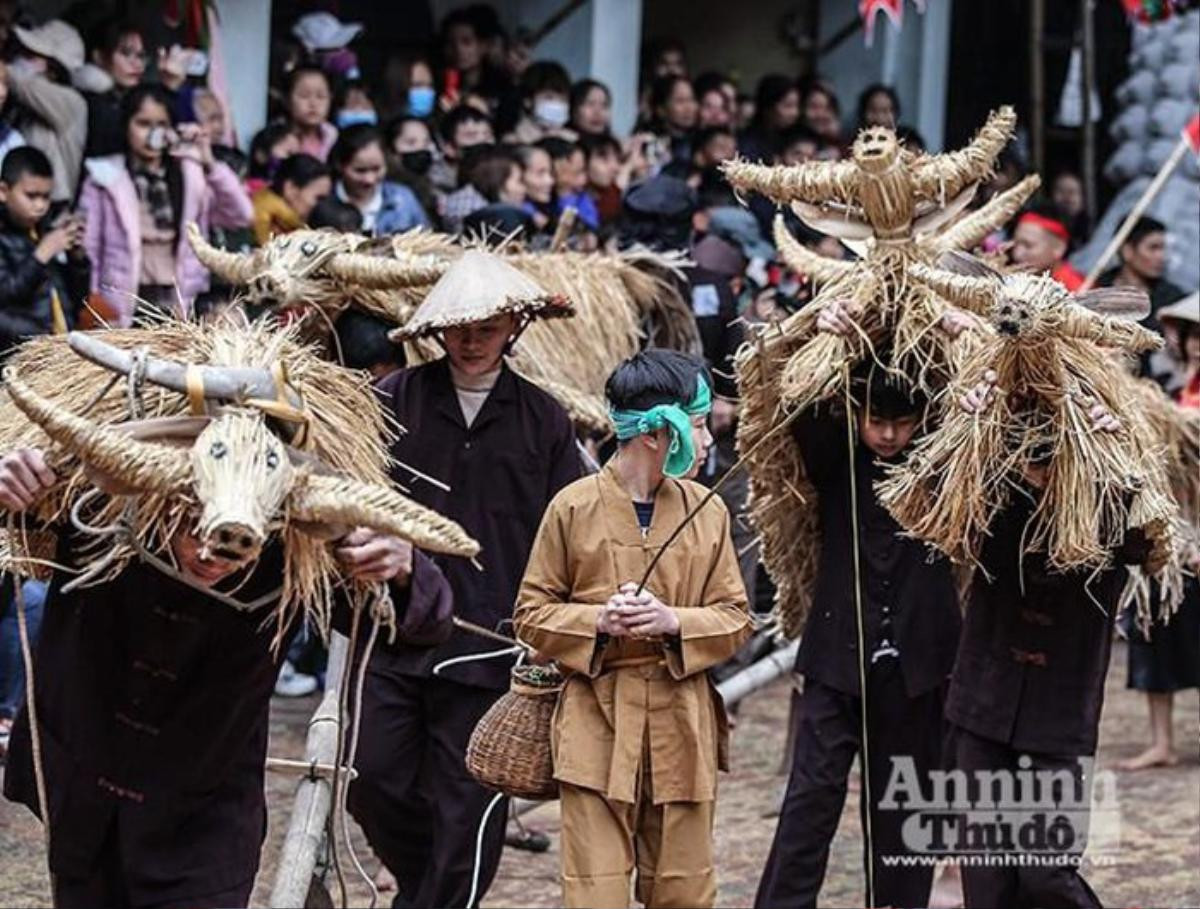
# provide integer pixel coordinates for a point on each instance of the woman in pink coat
(137, 206)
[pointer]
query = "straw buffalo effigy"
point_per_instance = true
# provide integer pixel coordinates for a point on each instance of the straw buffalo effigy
(885, 203)
(237, 433)
(618, 299)
(1050, 353)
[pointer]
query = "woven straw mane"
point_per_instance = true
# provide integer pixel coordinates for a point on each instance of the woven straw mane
(348, 431)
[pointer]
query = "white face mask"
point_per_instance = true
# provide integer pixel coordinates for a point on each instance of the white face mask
(551, 112)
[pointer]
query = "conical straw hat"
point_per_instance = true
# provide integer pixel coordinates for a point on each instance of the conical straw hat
(475, 288)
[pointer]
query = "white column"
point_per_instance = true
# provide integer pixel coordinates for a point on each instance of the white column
(935, 64)
(246, 46)
(616, 44)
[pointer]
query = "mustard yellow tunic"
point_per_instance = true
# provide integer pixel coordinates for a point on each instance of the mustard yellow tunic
(589, 544)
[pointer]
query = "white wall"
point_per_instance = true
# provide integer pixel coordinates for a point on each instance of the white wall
(246, 36)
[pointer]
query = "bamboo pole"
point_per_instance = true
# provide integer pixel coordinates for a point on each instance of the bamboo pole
(314, 797)
(758, 674)
(1136, 212)
(1037, 86)
(1089, 128)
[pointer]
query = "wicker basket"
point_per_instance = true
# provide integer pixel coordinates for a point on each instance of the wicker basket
(510, 747)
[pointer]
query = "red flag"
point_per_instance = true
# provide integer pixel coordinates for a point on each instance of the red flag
(1191, 132)
(868, 9)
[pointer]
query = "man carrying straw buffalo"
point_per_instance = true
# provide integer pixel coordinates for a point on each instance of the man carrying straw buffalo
(639, 734)
(503, 448)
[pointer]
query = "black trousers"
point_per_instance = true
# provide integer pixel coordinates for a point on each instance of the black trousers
(1049, 886)
(415, 800)
(107, 886)
(828, 736)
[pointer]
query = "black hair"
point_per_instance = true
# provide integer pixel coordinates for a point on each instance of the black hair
(599, 144)
(25, 160)
(455, 118)
(557, 148)
(1142, 228)
(260, 148)
(910, 138)
(868, 93)
(581, 89)
(299, 170)
(301, 70)
(710, 81)
(655, 48)
(655, 376)
(351, 141)
(363, 340)
(706, 134)
(393, 128)
(545, 76)
(525, 153)
(353, 85)
(106, 37)
(661, 90)
(772, 88)
(489, 171)
(333, 212)
(136, 97)
(885, 393)
(481, 18)
(800, 132)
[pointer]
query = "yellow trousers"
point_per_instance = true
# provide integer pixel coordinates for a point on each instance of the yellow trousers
(670, 845)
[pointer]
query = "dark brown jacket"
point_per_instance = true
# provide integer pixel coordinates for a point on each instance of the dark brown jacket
(900, 581)
(1031, 663)
(502, 473)
(153, 705)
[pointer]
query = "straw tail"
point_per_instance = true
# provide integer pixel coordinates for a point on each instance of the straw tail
(813, 181)
(971, 230)
(237, 268)
(142, 466)
(972, 294)
(386, 273)
(339, 500)
(820, 269)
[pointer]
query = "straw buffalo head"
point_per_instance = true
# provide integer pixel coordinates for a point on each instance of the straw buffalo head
(313, 267)
(875, 149)
(1032, 308)
(245, 480)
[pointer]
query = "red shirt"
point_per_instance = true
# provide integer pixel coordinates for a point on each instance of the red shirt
(1067, 276)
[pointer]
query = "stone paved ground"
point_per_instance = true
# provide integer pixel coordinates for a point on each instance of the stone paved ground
(1159, 864)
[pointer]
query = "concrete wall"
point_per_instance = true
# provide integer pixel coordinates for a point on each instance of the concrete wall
(246, 36)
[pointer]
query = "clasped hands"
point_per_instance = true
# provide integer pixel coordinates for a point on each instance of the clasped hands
(636, 615)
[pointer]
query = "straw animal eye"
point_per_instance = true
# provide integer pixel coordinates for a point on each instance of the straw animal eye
(272, 460)
(217, 450)
(308, 247)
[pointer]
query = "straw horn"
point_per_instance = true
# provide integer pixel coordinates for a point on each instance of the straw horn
(971, 230)
(142, 466)
(799, 258)
(237, 268)
(220, 383)
(1108, 331)
(385, 273)
(973, 294)
(814, 181)
(343, 501)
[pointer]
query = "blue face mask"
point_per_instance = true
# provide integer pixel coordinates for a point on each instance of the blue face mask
(420, 100)
(347, 118)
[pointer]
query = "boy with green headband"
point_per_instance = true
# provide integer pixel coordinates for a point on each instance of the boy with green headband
(639, 733)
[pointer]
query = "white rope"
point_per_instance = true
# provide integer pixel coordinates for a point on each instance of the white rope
(473, 657)
(496, 799)
(352, 753)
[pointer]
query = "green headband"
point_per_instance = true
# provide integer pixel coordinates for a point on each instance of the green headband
(682, 454)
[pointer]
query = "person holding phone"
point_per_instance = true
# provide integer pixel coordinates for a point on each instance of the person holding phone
(43, 267)
(136, 205)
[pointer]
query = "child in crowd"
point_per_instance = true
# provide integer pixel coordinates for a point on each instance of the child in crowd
(270, 147)
(299, 184)
(638, 781)
(603, 154)
(43, 268)
(539, 186)
(333, 213)
(137, 204)
(570, 180)
(309, 98)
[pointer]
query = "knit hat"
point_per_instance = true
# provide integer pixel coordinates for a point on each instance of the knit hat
(479, 286)
(56, 40)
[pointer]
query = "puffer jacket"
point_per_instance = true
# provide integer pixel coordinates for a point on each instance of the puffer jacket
(26, 284)
(113, 240)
